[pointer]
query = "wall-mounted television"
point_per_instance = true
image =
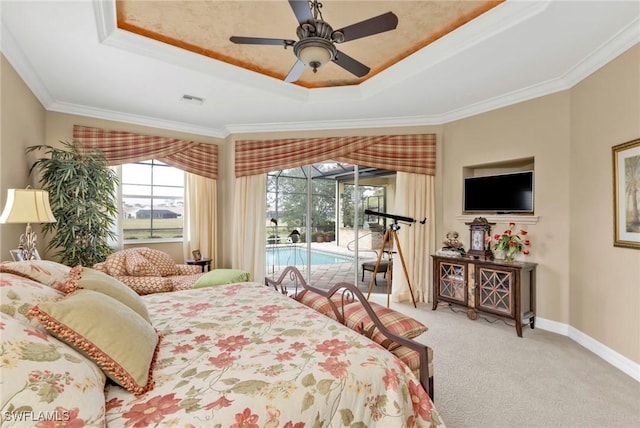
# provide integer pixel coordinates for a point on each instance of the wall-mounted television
(500, 193)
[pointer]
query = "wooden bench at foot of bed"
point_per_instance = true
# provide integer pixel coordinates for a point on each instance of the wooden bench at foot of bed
(345, 303)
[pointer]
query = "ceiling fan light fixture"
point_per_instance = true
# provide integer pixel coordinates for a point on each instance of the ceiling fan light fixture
(315, 52)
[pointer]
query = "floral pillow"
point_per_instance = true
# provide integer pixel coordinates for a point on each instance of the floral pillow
(122, 343)
(43, 376)
(44, 271)
(19, 294)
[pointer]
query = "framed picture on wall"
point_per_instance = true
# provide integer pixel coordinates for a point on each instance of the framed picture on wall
(626, 194)
(17, 255)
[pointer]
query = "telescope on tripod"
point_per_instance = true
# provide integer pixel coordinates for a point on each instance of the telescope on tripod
(391, 238)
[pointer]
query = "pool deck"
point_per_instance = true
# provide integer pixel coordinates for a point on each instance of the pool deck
(324, 276)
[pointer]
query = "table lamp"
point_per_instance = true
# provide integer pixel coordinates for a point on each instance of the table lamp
(27, 206)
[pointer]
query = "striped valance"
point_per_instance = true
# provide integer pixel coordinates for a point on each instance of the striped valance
(414, 153)
(122, 147)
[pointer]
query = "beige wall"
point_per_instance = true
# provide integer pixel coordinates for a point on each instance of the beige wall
(22, 124)
(604, 280)
(538, 129)
(583, 281)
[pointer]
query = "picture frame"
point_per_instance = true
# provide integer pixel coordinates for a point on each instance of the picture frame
(196, 255)
(626, 211)
(17, 255)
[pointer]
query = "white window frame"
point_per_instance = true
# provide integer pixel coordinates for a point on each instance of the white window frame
(121, 196)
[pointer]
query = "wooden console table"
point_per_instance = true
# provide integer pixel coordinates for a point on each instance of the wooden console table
(495, 287)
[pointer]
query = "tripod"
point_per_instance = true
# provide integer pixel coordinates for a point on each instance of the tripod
(391, 237)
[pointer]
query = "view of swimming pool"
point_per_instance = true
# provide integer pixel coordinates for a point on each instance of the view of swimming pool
(296, 256)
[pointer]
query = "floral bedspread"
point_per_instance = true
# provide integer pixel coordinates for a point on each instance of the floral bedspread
(243, 355)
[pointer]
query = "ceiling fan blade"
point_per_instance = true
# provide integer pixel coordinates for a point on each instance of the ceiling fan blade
(261, 41)
(295, 72)
(378, 24)
(301, 10)
(353, 66)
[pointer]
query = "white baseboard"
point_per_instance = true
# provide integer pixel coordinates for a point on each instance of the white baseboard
(617, 360)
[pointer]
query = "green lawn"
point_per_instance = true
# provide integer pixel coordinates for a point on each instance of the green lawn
(163, 228)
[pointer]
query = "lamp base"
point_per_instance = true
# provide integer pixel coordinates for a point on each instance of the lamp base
(28, 242)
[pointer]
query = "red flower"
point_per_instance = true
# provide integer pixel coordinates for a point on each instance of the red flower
(333, 347)
(153, 411)
(512, 225)
(113, 403)
(201, 338)
(507, 232)
(391, 379)
(246, 420)
(218, 404)
(182, 349)
(233, 343)
(283, 356)
(222, 360)
(523, 232)
(267, 317)
(527, 242)
(496, 236)
(297, 346)
(337, 369)
(420, 400)
(37, 333)
(525, 252)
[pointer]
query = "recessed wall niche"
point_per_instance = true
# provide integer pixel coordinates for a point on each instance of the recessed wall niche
(498, 168)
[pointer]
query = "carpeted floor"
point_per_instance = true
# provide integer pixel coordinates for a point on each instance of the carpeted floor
(488, 377)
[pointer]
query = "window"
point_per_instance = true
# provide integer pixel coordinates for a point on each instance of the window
(152, 201)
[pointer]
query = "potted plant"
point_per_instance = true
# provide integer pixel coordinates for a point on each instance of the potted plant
(81, 190)
(510, 243)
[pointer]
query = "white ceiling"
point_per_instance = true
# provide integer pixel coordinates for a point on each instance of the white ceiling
(76, 61)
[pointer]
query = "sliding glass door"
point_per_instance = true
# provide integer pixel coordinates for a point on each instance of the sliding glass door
(315, 220)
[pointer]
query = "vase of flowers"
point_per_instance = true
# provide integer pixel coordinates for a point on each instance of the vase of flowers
(510, 243)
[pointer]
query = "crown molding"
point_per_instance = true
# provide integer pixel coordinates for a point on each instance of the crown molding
(21, 65)
(104, 114)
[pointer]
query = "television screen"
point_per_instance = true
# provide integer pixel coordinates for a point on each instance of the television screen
(504, 193)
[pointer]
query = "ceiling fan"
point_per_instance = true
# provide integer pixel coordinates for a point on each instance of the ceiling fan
(317, 44)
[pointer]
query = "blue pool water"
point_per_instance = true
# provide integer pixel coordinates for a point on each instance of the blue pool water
(292, 256)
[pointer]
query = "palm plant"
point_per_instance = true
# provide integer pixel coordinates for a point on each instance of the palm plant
(81, 190)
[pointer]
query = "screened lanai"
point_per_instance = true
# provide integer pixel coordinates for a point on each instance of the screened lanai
(315, 219)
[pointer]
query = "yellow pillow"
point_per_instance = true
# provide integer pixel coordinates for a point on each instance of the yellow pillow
(91, 279)
(122, 343)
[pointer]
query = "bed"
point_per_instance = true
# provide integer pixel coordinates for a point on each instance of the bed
(233, 355)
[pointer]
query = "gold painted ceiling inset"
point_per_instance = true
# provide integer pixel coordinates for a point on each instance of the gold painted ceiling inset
(205, 26)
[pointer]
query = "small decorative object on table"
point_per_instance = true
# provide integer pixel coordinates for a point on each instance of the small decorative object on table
(511, 244)
(480, 236)
(17, 255)
(196, 255)
(452, 246)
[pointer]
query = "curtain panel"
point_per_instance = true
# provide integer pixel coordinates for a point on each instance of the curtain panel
(122, 147)
(415, 153)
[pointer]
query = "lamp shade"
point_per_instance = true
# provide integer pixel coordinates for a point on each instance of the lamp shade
(27, 206)
(315, 56)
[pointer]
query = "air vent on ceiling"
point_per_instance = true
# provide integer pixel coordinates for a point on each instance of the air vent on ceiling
(192, 99)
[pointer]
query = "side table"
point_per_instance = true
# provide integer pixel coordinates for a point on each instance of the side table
(205, 263)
